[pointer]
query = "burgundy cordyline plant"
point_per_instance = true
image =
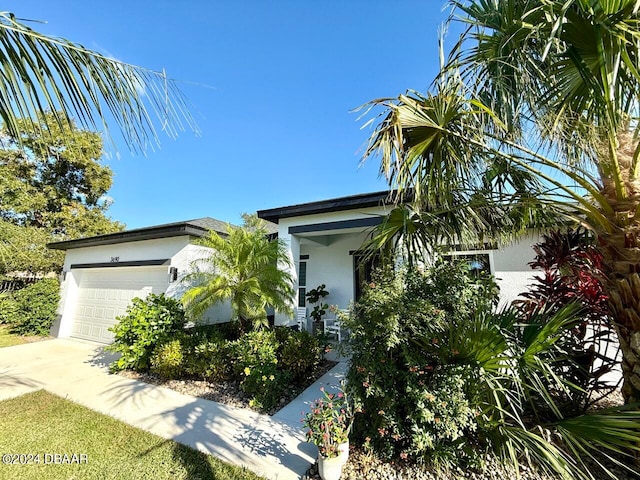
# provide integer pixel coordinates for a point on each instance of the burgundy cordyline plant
(328, 422)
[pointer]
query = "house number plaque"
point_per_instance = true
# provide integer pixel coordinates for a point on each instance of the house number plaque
(115, 259)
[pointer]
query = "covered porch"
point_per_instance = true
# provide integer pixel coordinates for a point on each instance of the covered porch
(324, 241)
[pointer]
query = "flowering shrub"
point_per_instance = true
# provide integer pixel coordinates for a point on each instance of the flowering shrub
(417, 400)
(329, 423)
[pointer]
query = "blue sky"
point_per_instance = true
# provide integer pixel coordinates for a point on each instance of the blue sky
(272, 84)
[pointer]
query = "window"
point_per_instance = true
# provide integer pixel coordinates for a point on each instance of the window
(479, 262)
(302, 284)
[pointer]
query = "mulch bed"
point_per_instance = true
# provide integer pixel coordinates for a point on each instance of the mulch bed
(362, 465)
(228, 393)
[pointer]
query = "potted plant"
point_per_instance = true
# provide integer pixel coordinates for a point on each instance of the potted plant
(315, 297)
(328, 424)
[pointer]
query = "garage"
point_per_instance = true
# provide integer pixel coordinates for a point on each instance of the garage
(102, 274)
(104, 294)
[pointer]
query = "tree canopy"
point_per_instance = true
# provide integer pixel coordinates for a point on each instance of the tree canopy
(52, 186)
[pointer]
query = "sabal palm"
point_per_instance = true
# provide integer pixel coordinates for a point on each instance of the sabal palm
(540, 76)
(42, 74)
(245, 268)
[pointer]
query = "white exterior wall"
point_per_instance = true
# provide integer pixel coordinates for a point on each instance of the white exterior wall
(511, 267)
(330, 264)
(178, 249)
(333, 266)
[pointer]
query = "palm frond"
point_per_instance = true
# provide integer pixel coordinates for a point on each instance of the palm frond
(42, 74)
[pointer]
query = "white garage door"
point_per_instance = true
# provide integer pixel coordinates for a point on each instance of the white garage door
(105, 293)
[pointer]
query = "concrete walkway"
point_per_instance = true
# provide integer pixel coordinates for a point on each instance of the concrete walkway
(274, 447)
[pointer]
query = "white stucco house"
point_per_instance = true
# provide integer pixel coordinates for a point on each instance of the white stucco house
(324, 238)
(102, 274)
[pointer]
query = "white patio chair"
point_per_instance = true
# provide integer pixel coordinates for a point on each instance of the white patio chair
(302, 319)
(332, 326)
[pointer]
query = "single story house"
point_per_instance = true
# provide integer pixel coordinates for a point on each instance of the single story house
(324, 238)
(102, 274)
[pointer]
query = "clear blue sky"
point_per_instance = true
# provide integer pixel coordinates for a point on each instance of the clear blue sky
(282, 77)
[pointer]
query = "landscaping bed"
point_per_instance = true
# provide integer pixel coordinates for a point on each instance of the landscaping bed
(262, 368)
(362, 465)
(230, 392)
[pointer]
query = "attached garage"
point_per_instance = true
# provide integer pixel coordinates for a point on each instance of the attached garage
(104, 293)
(103, 273)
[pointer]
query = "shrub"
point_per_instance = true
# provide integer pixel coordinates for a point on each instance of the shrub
(446, 380)
(265, 384)
(167, 359)
(35, 307)
(256, 364)
(572, 270)
(299, 352)
(211, 360)
(146, 324)
(8, 309)
(258, 347)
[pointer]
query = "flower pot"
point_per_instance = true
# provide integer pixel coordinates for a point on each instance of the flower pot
(330, 468)
(343, 452)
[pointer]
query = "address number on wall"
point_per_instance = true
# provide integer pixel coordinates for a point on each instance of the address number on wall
(115, 259)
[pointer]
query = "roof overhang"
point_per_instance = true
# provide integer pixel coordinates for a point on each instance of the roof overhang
(352, 202)
(150, 233)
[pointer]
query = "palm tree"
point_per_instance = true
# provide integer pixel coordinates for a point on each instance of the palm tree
(245, 267)
(547, 87)
(42, 74)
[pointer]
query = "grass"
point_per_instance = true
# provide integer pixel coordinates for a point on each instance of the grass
(10, 339)
(43, 423)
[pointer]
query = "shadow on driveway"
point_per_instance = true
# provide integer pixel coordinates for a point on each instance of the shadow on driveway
(242, 437)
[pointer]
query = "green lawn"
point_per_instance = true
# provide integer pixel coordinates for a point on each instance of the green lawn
(41, 423)
(8, 339)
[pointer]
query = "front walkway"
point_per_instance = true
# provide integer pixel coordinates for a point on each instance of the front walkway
(274, 447)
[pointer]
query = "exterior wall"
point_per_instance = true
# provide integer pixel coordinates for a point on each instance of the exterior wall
(333, 266)
(330, 264)
(179, 250)
(511, 267)
(129, 251)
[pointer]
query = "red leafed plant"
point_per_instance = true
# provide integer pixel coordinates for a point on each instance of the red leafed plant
(572, 270)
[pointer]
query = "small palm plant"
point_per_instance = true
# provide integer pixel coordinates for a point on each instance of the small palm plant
(245, 267)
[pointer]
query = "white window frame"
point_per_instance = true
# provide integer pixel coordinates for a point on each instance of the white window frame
(456, 253)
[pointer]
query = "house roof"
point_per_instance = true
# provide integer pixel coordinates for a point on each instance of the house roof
(351, 202)
(196, 228)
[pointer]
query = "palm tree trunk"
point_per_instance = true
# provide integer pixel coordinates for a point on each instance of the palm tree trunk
(621, 250)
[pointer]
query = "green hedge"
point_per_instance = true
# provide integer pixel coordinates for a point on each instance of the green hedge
(32, 310)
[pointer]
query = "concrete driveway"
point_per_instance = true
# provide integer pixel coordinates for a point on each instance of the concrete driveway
(270, 446)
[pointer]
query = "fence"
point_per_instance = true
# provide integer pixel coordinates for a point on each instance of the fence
(13, 284)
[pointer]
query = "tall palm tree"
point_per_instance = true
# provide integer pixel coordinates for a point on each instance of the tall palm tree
(245, 267)
(549, 87)
(42, 74)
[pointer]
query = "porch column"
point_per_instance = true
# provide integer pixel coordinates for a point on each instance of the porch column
(293, 251)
